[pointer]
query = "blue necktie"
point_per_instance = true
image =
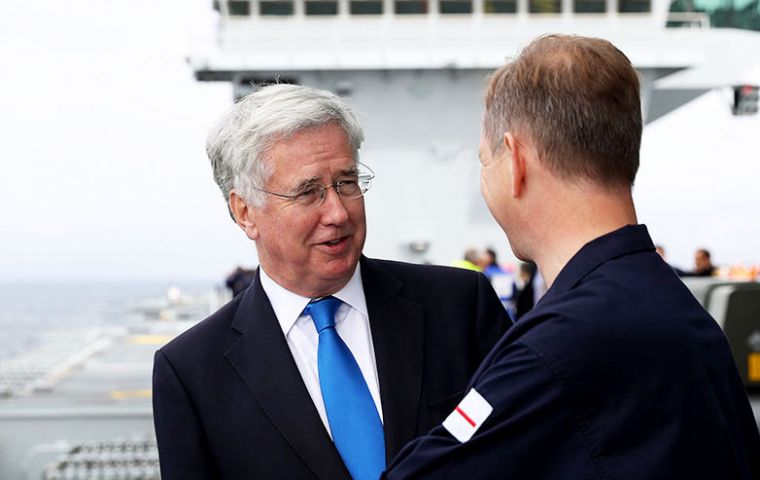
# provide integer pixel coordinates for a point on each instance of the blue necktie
(355, 425)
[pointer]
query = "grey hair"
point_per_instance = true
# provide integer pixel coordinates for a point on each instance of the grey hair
(239, 143)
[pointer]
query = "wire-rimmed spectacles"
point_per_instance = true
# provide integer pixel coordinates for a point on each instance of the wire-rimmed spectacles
(350, 186)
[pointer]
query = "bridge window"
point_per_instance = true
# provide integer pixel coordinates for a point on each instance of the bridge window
(500, 6)
(235, 8)
(544, 6)
(743, 14)
(276, 7)
(634, 6)
(366, 7)
(589, 6)
(455, 6)
(410, 7)
(321, 7)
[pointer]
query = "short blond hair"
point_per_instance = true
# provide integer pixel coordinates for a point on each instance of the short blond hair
(578, 100)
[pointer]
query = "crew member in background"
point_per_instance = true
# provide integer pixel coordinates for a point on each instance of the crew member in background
(239, 279)
(703, 266)
(526, 295)
(470, 260)
(501, 280)
(617, 372)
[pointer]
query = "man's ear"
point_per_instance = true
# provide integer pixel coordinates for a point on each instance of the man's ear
(244, 215)
(517, 164)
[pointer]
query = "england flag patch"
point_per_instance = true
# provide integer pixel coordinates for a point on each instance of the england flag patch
(468, 416)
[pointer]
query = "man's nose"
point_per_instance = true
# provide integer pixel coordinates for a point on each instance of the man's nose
(333, 210)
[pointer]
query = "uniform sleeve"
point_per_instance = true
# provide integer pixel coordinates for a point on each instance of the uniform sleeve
(530, 433)
(182, 447)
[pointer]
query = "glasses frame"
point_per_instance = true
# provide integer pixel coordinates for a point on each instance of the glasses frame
(367, 175)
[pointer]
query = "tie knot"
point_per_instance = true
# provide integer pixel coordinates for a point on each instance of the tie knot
(323, 312)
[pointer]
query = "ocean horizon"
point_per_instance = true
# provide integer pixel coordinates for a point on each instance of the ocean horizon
(31, 309)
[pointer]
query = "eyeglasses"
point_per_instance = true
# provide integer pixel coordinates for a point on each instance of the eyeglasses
(312, 195)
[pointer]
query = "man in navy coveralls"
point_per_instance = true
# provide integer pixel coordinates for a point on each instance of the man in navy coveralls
(618, 373)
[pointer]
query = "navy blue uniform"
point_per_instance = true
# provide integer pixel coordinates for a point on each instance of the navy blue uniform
(618, 373)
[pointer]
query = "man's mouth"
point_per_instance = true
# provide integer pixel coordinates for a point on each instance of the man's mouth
(334, 242)
(336, 245)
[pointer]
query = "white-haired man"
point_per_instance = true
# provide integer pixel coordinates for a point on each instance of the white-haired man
(329, 362)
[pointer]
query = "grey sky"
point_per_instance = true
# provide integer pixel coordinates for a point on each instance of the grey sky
(103, 128)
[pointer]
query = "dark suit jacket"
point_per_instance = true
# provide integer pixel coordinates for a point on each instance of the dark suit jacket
(617, 373)
(229, 402)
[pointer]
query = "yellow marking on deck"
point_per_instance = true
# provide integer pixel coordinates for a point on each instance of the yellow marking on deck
(753, 372)
(149, 339)
(125, 394)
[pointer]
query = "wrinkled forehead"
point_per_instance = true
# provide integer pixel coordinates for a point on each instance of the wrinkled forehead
(314, 152)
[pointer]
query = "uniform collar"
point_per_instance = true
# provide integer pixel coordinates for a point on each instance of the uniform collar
(288, 306)
(623, 241)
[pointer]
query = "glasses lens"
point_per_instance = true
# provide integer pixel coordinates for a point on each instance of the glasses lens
(348, 189)
(310, 197)
(315, 195)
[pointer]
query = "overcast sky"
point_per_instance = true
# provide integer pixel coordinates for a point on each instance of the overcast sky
(102, 129)
(699, 181)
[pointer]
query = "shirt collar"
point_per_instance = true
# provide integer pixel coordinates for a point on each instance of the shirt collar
(288, 306)
(352, 293)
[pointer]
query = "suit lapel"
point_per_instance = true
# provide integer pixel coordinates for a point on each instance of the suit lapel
(263, 361)
(397, 337)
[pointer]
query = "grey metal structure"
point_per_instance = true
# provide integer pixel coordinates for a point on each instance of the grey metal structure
(415, 70)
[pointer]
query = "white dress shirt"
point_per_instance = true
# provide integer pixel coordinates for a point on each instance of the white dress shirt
(351, 323)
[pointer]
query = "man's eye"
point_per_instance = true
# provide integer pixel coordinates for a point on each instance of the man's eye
(307, 192)
(307, 195)
(348, 187)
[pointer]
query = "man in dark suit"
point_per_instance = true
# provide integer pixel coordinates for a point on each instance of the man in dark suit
(330, 361)
(617, 373)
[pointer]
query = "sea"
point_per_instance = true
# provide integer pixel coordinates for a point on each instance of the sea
(31, 310)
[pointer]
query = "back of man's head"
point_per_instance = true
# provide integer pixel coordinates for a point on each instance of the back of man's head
(577, 100)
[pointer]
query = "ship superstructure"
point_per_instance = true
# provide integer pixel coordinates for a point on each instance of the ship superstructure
(415, 69)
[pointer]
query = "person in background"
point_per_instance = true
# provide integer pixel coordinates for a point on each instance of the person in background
(470, 260)
(617, 372)
(525, 298)
(488, 263)
(703, 266)
(329, 362)
(500, 279)
(239, 279)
